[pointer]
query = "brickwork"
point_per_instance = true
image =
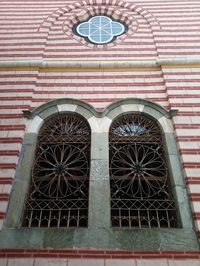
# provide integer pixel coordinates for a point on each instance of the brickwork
(41, 30)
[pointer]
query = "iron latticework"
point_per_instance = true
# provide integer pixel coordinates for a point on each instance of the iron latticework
(58, 195)
(140, 188)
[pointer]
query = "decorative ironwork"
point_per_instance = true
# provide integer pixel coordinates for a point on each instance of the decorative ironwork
(140, 189)
(134, 128)
(58, 194)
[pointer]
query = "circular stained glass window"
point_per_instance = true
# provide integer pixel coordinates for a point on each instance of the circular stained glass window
(100, 29)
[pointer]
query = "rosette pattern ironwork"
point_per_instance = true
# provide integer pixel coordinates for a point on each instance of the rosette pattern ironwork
(58, 195)
(140, 186)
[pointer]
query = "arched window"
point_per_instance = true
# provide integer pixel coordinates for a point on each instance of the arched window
(58, 195)
(139, 178)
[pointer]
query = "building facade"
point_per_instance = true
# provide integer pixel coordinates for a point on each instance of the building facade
(99, 133)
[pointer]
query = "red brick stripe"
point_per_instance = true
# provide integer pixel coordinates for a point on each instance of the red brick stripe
(195, 196)
(196, 216)
(9, 153)
(191, 113)
(10, 116)
(22, 107)
(87, 253)
(12, 127)
(186, 126)
(190, 151)
(191, 165)
(193, 180)
(16, 90)
(6, 180)
(4, 196)
(185, 104)
(188, 138)
(7, 165)
(10, 140)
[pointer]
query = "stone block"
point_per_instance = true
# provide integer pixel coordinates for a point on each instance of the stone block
(184, 262)
(170, 144)
(175, 171)
(120, 262)
(94, 125)
(48, 112)
(99, 210)
(99, 170)
(21, 238)
(178, 239)
(66, 107)
(115, 112)
(35, 125)
(137, 239)
(152, 262)
(99, 146)
(3, 262)
(152, 112)
(103, 238)
(50, 262)
(183, 205)
(59, 238)
(20, 262)
(30, 138)
(127, 108)
(84, 112)
(166, 124)
(85, 262)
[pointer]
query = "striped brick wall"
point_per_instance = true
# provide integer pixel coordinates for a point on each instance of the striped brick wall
(33, 30)
(24, 90)
(182, 86)
(40, 30)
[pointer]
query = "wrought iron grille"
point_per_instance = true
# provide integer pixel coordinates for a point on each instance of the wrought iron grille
(58, 195)
(140, 188)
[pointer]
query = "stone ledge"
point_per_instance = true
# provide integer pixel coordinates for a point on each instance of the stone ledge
(114, 64)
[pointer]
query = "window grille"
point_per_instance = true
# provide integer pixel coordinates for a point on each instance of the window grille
(141, 196)
(58, 195)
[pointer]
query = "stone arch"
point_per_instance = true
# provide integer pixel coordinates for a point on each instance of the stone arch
(47, 23)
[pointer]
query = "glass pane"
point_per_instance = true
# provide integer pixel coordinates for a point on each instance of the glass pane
(100, 29)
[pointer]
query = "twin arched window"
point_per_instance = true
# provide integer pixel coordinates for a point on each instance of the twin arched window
(139, 183)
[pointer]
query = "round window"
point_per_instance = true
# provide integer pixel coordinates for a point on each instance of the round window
(100, 29)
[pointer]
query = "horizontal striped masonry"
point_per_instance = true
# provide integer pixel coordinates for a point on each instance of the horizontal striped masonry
(178, 34)
(96, 254)
(26, 89)
(36, 30)
(182, 87)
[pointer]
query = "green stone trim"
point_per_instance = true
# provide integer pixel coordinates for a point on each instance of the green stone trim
(100, 237)
(149, 106)
(107, 112)
(47, 106)
(21, 182)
